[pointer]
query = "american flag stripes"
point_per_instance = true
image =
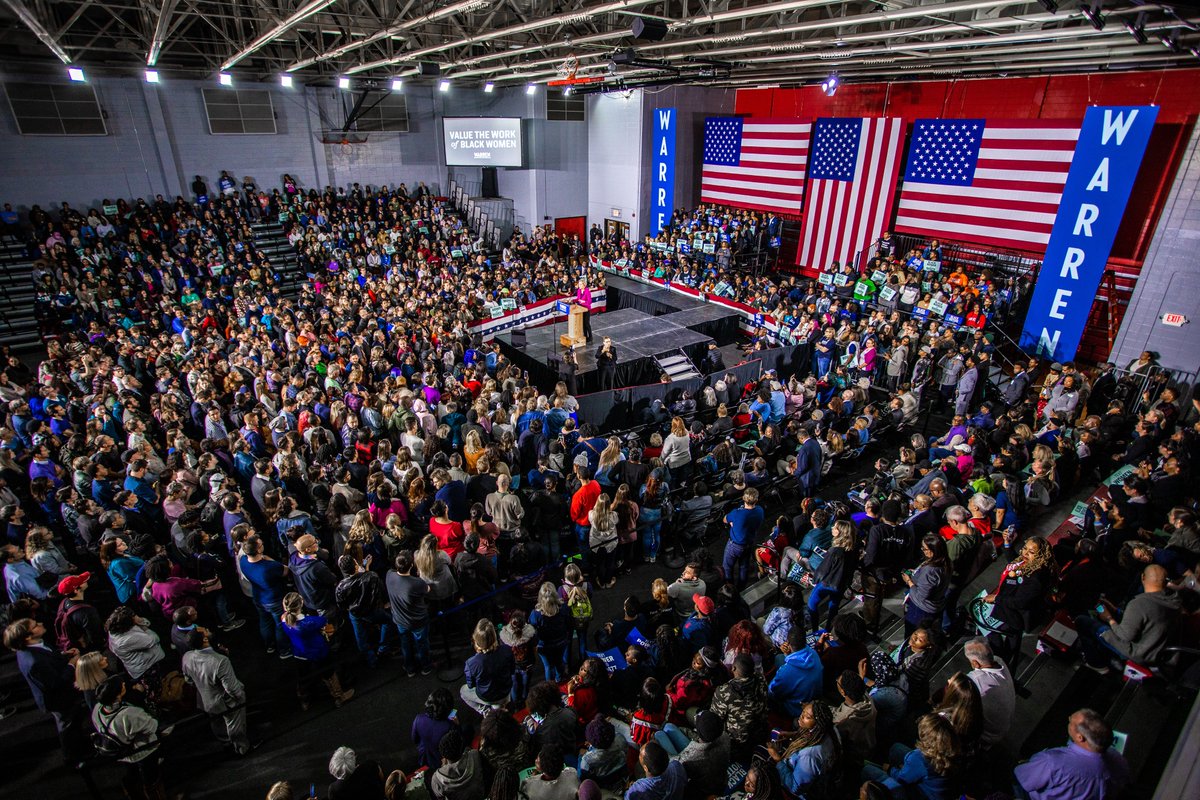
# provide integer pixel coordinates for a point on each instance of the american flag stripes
(993, 182)
(755, 163)
(852, 182)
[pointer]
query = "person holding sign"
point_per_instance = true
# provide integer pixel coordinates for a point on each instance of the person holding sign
(583, 299)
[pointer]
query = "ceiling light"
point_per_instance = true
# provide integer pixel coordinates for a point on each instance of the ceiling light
(226, 79)
(444, 86)
(343, 83)
(151, 76)
(76, 74)
(285, 81)
(830, 85)
(397, 84)
(1092, 12)
(489, 87)
(566, 91)
(531, 88)
(1137, 28)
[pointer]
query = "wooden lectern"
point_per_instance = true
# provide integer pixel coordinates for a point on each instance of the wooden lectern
(574, 336)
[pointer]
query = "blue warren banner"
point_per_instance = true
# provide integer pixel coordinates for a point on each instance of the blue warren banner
(662, 182)
(1106, 161)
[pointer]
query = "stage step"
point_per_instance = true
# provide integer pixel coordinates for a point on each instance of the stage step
(677, 366)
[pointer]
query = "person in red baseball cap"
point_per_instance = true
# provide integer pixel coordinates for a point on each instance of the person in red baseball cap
(697, 629)
(77, 624)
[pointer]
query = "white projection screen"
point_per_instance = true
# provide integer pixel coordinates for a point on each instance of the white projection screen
(483, 141)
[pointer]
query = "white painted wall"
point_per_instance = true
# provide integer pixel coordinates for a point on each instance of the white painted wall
(616, 142)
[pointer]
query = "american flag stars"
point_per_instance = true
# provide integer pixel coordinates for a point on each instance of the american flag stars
(945, 151)
(723, 141)
(835, 149)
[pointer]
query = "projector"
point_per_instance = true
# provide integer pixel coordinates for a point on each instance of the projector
(625, 56)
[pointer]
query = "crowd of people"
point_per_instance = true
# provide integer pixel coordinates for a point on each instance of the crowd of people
(353, 470)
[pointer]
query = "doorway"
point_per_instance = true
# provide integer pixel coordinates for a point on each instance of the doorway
(567, 226)
(615, 230)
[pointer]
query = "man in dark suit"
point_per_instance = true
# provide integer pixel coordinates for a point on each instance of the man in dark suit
(808, 464)
(51, 679)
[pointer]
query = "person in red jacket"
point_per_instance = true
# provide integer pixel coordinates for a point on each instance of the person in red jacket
(582, 503)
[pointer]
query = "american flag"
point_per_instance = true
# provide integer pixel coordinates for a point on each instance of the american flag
(993, 182)
(852, 182)
(755, 163)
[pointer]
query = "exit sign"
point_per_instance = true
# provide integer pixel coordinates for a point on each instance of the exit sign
(1174, 320)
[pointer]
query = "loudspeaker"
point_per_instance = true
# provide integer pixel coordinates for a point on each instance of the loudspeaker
(490, 186)
(428, 69)
(518, 338)
(649, 30)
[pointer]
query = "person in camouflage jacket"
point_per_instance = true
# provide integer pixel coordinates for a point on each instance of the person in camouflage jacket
(742, 704)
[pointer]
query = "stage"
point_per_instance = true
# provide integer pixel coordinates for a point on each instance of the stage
(643, 322)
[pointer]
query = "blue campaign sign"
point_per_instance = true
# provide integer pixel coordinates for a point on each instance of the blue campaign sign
(562, 307)
(954, 321)
(1107, 156)
(662, 181)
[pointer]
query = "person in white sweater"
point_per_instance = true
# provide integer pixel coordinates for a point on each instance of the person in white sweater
(677, 452)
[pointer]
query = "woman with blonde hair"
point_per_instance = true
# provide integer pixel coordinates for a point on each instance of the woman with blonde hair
(677, 452)
(660, 609)
(602, 541)
(91, 670)
(489, 672)
(472, 450)
(832, 576)
(926, 770)
(433, 565)
(610, 457)
(554, 628)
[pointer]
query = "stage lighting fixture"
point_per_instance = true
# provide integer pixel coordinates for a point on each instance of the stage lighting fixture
(566, 91)
(1092, 12)
(343, 83)
(397, 84)
(1137, 28)
(830, 85)
(76, 74)
(151, 76)
(226, 79)
(285, 81)
(444, 86)
(531, 89)
(489, 87)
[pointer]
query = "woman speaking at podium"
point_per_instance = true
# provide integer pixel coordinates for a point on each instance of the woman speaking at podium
(583, 298)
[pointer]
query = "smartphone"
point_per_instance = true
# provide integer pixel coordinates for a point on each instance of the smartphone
(453, 714)
(312, 791)
(1100, 609)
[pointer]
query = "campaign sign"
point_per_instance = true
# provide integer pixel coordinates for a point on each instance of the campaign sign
(662, 182)
(562, 307)
(878, 276)
(508, 304)
(841, 279)
(1106, 161)
(887, 293)
(921, 313)
(937, 307)
(710, 248)
(635, 637)
(931, 266)
(825, 279)
(954, 321)
(613, 659)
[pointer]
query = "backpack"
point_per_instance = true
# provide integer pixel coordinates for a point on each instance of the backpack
(61, 634)
(580, 606)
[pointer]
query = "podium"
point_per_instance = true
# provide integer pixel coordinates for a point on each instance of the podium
(574, 336)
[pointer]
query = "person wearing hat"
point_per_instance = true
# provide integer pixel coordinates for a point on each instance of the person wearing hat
(78, 624)
(696, 631)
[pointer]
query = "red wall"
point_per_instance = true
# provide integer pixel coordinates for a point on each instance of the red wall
(1176, 92)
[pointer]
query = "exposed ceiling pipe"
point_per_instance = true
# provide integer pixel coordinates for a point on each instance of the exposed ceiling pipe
(308, 10)
(35, 26)
(456, 8)
(512, 30)
(160, 31)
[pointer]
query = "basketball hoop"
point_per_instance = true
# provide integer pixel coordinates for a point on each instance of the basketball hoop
(567, 69)
(345, 140)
